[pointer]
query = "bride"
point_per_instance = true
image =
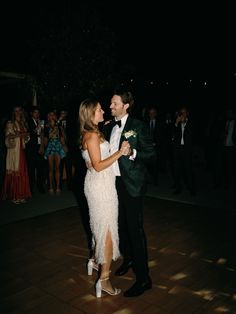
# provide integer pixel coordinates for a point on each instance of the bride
(100, 191)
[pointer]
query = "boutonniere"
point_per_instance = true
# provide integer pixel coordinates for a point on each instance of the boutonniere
(130, 133)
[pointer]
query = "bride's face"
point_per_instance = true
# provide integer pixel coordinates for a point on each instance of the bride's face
(98, 115)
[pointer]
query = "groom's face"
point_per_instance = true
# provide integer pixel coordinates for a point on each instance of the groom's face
(118, 108)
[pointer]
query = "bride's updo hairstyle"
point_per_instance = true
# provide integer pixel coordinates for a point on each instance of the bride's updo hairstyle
(86, 114)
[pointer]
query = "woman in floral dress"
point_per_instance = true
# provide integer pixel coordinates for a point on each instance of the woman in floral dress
(54, 140)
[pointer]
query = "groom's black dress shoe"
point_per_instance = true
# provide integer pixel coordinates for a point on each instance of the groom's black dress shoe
(123, 269)
(138, 288)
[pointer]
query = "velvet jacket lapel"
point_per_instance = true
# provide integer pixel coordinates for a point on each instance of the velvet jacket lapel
(126, 128)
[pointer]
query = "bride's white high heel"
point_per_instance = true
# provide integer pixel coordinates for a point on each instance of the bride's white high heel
(91, 266)
(99, 289)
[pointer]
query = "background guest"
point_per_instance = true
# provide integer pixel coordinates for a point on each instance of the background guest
(54, 152)
(35, 151)
(225, 171)
(66, 162)
(16, 182)
(182, 151)
(154, 125)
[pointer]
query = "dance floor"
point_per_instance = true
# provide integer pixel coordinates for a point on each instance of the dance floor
(191, 257)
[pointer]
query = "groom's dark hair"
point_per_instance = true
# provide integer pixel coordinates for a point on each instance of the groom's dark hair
(126, 96)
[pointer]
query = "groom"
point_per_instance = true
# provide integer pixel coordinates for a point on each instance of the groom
(130, 174)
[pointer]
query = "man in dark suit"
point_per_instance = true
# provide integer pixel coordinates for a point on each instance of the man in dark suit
(35, 150)
(131, 177)
(226, 170)
(182, 151)
(155, 131)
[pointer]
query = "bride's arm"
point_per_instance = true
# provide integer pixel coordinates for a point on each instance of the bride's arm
(93, 146)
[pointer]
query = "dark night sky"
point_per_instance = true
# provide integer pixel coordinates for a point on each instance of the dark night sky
(174, 40)
(161, 40)
(164, 42)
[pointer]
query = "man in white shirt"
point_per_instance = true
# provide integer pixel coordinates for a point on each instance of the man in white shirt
(182, 140)
(227, 168)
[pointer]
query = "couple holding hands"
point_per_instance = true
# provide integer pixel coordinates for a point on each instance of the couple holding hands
(114, 188)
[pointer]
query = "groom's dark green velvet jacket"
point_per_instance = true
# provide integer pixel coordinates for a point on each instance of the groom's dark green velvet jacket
(134, 172)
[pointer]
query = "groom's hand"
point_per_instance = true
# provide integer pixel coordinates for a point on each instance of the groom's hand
(132, 154)
(131, 151)
(88, 165)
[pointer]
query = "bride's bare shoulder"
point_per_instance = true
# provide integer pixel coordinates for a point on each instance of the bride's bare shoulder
(90, 135)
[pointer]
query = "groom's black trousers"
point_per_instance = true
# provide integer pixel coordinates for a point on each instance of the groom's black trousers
(133, 244)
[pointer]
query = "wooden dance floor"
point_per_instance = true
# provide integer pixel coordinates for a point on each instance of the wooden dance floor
(192, 258)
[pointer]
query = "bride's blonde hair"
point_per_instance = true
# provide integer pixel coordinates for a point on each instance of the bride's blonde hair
(86, 113)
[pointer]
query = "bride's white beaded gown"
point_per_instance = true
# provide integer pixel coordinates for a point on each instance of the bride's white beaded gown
(100, 191)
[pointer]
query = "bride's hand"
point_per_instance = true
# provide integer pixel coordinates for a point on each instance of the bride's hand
(107, 122)
(125, 148)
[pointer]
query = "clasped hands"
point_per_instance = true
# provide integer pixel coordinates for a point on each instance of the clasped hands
(125, 148)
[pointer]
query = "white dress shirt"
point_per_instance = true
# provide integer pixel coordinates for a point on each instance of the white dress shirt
(115, 141)
(37, 131)
(183, 124)
(229, 133)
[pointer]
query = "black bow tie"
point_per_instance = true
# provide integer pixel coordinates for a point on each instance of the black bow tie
(117, 122)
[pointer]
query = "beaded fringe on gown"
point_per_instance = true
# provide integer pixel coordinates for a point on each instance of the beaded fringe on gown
(100, 191)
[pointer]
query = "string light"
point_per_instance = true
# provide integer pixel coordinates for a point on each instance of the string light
(197, 82)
